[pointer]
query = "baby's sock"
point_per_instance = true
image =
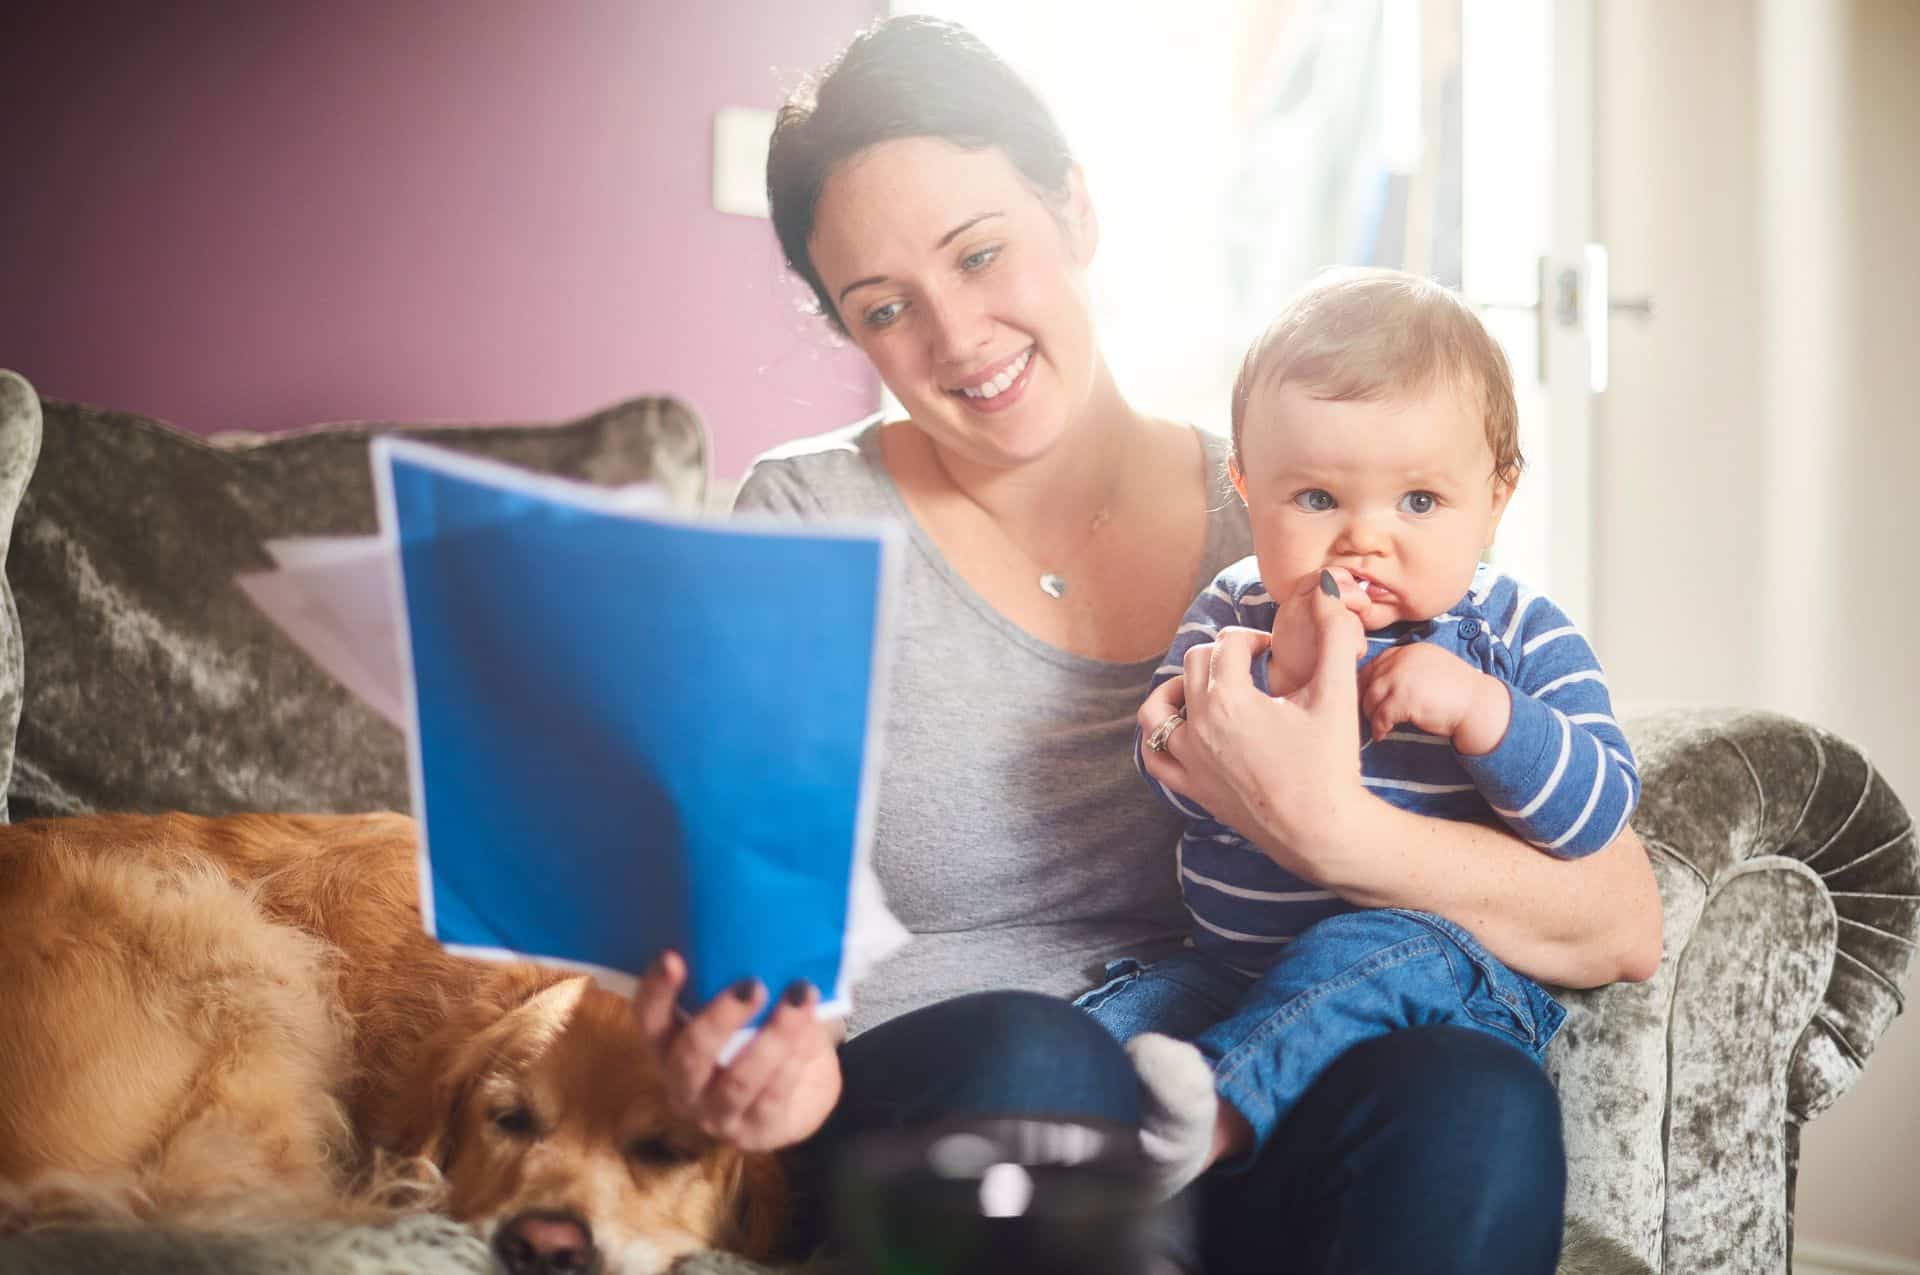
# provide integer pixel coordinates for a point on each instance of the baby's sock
(1177, 1108)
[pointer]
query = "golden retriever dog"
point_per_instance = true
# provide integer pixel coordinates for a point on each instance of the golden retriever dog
(215, 1022)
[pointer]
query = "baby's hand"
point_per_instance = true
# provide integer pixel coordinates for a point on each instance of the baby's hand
(1438, 692)
(1296, 639)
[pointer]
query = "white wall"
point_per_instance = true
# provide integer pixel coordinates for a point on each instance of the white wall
(1758, 456)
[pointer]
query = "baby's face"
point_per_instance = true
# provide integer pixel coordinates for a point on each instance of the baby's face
(1397, 491)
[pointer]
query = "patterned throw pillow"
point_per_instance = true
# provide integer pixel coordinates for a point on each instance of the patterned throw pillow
(152, 683)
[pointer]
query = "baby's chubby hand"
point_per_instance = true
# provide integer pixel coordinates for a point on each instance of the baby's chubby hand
(1296, 638)
(1439, 693)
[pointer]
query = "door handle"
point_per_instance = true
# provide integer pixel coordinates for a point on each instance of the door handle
(1578, 296)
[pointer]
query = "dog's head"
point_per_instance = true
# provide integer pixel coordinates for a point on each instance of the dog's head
(552, 1130)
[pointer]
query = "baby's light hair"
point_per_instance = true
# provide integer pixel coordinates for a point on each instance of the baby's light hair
(1355, 333)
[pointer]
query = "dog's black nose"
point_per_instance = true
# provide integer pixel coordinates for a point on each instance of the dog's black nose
(543, 1242)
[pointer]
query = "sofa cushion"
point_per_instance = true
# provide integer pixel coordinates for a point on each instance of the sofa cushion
(19, 449)
(152, 683)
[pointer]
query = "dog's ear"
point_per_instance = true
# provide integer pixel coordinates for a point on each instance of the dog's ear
(420, 1114)
(760, 1206)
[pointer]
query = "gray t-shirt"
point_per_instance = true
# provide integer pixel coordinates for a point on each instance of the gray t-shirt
(1012, 836)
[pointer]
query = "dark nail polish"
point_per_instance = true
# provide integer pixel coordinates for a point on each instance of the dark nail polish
(796, 994)
(746, 989)
(1327, 585)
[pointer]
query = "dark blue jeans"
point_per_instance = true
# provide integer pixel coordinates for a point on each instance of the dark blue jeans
(1434, 1149)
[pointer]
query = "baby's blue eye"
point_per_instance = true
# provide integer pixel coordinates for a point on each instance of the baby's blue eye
(1419, 502)
(1314, 500)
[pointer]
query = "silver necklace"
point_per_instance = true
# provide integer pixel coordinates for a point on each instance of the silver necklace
(1052, 582)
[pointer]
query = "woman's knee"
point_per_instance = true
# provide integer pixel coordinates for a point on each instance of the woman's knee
(1468, 1128)
(1469, 1096)
(1432, 1148)
(996, 1054)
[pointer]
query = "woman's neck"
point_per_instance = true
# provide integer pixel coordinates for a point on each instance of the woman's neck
(1076, 482)
(1091, 547)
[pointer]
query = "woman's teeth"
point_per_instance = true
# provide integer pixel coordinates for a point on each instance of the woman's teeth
(998, 385)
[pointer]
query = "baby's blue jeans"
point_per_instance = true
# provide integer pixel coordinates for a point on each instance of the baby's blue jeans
(1345, 980)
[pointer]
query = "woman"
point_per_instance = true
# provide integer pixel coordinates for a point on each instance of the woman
(1058, 534)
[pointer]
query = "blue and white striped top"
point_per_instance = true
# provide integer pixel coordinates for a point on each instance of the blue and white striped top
(1562, 778)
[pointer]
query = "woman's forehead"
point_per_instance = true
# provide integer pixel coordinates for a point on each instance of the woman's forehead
(912, 192)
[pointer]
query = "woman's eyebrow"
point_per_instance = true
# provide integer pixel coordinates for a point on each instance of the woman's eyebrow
(945, 239)
(964, 227)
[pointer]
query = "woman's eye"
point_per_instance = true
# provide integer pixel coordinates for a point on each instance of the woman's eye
(979, 260)
(882, 315)
(1419, 502)
(516, 1122)
(656, 1151)
(1314, 500)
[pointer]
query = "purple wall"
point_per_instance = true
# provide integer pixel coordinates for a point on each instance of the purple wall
(246, 215)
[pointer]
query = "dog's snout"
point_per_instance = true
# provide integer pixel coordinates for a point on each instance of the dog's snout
(541, 1242)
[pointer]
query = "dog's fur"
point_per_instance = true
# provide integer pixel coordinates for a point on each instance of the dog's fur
(215, 1022)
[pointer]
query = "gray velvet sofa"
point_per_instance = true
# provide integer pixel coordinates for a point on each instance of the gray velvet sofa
(134, 676)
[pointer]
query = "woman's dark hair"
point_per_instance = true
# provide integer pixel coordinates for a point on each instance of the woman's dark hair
(909, 76)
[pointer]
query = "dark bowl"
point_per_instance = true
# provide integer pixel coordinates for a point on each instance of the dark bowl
(1006, 1197)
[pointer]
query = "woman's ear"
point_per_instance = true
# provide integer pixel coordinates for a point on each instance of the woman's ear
(1083, 227)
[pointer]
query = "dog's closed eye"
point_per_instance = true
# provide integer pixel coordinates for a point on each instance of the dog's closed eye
(516, 1122)
(658, 1151)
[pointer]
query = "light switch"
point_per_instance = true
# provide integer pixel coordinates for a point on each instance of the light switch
(740, 137)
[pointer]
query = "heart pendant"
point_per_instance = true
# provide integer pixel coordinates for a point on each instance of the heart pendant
(1053, 584)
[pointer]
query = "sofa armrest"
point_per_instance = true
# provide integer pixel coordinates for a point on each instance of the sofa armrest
(1791, 881)
(1737, 788)
(1609, 1064)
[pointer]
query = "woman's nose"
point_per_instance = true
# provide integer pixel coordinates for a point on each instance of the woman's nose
(957, 327)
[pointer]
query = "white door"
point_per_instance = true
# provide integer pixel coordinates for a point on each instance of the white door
(1277, 133)
(1528, 259)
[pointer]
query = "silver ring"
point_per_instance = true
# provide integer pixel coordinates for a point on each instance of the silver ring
(1157, 742)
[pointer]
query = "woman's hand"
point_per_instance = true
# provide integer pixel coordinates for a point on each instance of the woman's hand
(777, 1091)
(1283, 772)
(1295, 652)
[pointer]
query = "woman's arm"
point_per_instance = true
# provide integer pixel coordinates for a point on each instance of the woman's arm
(1285, 773)
(1577, 923)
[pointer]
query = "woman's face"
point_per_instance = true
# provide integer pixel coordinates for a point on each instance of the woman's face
(966, 290)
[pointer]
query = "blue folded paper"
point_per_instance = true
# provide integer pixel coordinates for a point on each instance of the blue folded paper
(632, 729)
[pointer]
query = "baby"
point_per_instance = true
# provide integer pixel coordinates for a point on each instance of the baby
(1375, 446)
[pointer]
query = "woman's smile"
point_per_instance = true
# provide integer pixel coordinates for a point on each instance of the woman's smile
(998, 387)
